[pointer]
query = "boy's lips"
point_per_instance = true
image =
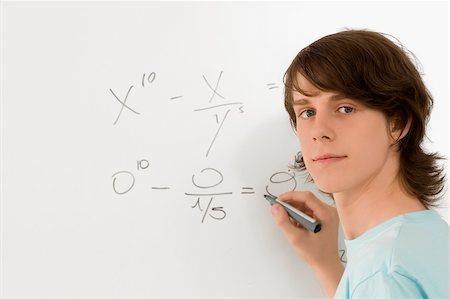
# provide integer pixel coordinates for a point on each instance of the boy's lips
(327, 157)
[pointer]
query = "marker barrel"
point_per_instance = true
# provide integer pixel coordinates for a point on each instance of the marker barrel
(305, 220)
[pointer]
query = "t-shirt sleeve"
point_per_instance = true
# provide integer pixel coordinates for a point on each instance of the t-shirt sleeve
(388, 285)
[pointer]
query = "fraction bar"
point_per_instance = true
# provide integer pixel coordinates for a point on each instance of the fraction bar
(208, 194)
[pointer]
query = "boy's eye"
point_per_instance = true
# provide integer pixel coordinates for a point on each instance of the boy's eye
(346, 109)
(307, 113)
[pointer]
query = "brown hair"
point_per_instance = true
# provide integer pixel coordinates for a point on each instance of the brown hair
(368, 67)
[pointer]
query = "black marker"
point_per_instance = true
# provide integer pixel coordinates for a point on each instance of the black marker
(307, 222)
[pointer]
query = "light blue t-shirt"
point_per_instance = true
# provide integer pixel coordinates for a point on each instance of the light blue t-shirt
(404, 257)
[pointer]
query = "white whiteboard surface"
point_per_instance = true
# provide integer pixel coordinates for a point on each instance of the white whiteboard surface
(104, 194)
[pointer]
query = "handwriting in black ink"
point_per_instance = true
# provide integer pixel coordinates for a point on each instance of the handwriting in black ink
(272, 85)
(221, 111)
(124, 181)
(208, 178)
(124, 104)
(127, 182)
(175, 98)
(247, 190)
(342, 256)
(214, 90)
(148, 78)
(283, 177)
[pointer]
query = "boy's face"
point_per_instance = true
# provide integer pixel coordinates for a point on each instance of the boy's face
(345, 145)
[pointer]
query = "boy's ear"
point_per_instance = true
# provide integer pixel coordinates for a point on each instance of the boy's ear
(396, 129)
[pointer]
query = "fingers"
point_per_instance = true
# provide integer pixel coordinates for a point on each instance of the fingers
(308, 245)
(284, 223)
(306, 201)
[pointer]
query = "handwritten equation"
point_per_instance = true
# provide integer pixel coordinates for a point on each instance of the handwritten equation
(206, 183)
(217, 105)
(222, 109)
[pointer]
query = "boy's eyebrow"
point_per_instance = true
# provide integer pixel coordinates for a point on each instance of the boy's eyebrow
(306, 101)
(300, 102)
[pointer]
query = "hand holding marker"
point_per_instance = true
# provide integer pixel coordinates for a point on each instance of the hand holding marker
(305, 220)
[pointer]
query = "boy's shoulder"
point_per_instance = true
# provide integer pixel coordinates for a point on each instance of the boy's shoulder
(409, 251)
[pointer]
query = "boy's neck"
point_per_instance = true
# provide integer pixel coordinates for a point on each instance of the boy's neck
(363, 209)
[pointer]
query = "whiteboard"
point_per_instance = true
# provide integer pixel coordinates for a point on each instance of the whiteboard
(138, 140)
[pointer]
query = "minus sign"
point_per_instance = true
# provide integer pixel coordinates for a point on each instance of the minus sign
(177, 97)
(248, 193)
(160, 188)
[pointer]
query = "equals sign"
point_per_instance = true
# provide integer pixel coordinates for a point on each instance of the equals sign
(160, 188)
(272, 85)
(247, 190)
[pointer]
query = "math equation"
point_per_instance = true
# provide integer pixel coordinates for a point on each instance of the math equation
(206, 190)
(206, 183)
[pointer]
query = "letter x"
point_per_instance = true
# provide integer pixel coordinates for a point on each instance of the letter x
(123, 103)
(214, 89)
